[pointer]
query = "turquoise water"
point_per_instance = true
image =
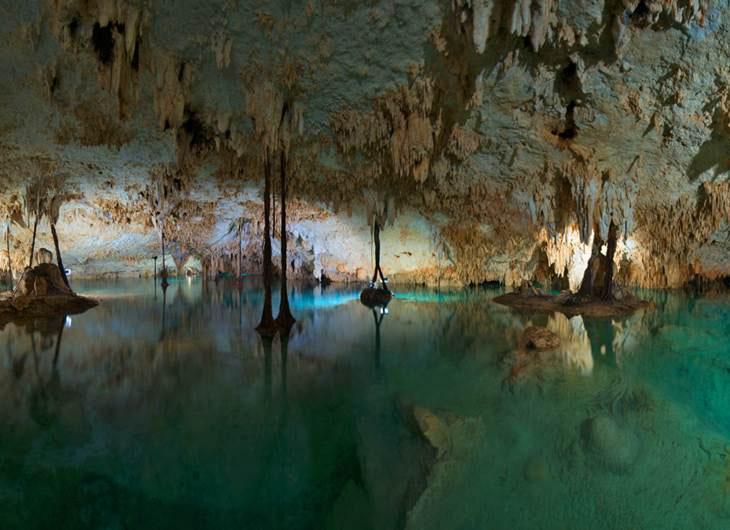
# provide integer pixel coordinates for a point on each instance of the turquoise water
(169, 412)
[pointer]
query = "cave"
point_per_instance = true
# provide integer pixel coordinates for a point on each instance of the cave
(364, 264)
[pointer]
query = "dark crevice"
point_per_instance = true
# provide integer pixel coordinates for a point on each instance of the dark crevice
(73, 27)
(195, 129)
(568, 84)
(570, 130)
(103, 41)
(55, 82)
(135, 57)
(640, 17)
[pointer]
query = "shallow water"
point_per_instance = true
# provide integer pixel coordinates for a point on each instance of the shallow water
(168, 411)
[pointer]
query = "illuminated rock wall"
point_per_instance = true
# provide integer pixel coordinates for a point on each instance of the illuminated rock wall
(496, 136)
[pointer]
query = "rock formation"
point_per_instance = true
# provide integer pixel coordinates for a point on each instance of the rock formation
(42, 293)
(508, 137)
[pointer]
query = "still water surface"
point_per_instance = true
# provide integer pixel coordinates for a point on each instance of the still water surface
(168, 411)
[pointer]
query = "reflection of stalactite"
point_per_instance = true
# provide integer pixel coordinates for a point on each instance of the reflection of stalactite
(575, 345)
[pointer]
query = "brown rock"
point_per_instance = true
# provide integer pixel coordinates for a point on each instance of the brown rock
(43, 256)
(42, 280)
(537, 338)
(40, 286)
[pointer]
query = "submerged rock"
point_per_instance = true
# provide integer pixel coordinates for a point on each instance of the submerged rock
(456, 440)
(615, 447)
(536, 469)
(538, 338)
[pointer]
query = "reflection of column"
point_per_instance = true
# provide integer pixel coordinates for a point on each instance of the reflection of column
(600, 332)
(378, 321)
(58, 343)
(626, 334)
(164, 305)
(240, 309)
(55, 377)
(284, 340)
(267, 341)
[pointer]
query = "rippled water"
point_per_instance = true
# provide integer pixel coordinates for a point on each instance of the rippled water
(168, 411)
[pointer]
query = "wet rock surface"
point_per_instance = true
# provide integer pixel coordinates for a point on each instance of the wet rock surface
(375, 297)
(572, 305)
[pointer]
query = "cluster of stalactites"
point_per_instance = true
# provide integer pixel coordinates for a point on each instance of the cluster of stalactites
(265, 106)
(379, 207)
(599, 199)
(537, 20)
(525, 18)
(679, 11)
(172, 84)
(678, 229)
(116, 70)
(166, 189)
(400, 130)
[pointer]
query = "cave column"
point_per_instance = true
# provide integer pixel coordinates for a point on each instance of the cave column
(378, 270)
(590, 276)
(32, 245)
(58, 255)
(598, 277)
(285, 319)
(267, 326)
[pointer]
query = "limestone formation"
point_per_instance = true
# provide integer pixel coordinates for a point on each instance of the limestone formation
(42, 293)
(44, 256)
(506, 136)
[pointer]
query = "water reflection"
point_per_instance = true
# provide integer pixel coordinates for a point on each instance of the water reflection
(575, 346)
(168, 409)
